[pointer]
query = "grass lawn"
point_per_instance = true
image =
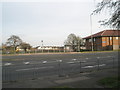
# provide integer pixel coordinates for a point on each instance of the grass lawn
(110, 82)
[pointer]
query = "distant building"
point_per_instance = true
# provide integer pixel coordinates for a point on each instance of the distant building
(51, 48)
(68, 48)
(104, 40)
(18, 48)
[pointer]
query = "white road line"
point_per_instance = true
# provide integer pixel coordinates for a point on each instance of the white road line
(102, 65)
(7, 64)
(99, 65)
(98, 57)
(74, 59)
(60, 60)
(81, 61)
(33, 68)
(88, 67)
(44, 62)
(70, 62)
(93, 66)
(26, 62)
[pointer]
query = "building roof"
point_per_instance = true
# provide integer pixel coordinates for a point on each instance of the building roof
(50, 46)
(105, 33)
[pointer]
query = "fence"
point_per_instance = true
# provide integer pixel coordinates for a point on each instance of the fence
(60, 68)
(33, 51)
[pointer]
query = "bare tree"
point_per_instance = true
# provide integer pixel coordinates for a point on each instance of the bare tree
(73, 41)
(14, 41)
(113, 7)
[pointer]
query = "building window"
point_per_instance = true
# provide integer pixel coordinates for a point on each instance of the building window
(110, 38)
(103, 41)
(84, 40)
(117, 38)
(90, 40)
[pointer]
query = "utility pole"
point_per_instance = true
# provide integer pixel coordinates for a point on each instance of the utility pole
(91, 31)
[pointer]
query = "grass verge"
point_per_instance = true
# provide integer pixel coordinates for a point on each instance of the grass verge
(110, 82)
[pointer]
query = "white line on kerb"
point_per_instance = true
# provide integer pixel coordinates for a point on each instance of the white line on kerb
(33, 68)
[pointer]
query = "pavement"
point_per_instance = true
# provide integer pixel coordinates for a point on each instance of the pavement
(78, 80)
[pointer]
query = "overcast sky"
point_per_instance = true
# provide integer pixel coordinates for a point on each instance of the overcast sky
(50, 21)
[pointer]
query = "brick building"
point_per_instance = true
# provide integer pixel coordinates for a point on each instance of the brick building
(104, 40)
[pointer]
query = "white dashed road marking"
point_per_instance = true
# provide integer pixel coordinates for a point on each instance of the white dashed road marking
(74, 59)
(26, 62)
(99, 65)
(7, 64)
(81, 61)
(88, 67)
(59, 60)
(44, 62)
(98, 57)
(93, 66)
(102, 65)
(34, 68)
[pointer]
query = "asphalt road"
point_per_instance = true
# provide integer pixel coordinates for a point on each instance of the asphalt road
(34, 66)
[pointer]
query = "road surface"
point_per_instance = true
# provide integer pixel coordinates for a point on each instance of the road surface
(23, 67)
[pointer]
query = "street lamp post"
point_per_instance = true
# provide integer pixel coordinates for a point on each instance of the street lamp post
(91, 31)
(78, 46)
(42, 45)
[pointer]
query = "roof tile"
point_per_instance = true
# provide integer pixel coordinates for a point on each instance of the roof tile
(105, 33)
